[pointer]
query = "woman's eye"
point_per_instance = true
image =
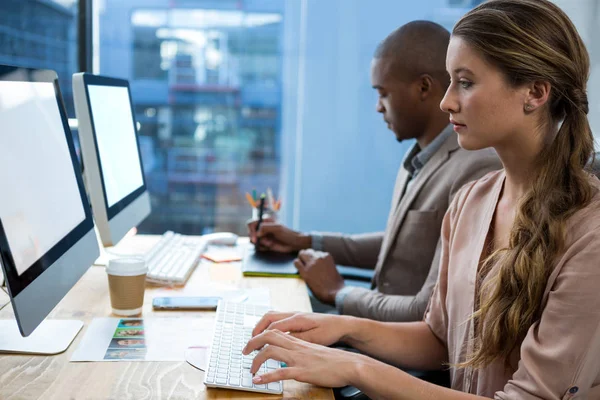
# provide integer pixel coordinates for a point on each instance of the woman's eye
(465, 84)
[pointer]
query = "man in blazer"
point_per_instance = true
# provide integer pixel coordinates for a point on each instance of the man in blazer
(408, 71)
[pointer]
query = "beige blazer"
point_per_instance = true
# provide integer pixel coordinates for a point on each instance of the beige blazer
(405, 257)
(559, 357)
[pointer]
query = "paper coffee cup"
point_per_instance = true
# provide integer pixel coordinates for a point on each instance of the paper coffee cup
(126, 283)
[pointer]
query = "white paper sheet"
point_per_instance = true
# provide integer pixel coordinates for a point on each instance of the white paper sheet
(156, 339)
(258, 296)
(143, 339)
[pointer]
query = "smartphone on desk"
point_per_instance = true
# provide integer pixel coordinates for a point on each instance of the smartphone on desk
(185, 303)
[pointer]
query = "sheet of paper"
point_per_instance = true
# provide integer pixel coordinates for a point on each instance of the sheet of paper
(159, 339)
(143, 339)
(258, 296)
(223, 254)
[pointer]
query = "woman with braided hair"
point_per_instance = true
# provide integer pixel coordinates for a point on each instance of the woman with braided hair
(516, 310)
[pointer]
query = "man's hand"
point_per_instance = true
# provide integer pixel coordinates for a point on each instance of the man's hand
(277, 237)
(318, 270)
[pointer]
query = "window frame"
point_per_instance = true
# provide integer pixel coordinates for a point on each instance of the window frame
(85, 36)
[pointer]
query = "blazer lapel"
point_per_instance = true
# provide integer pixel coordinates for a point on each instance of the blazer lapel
(401, 182)
(404, 202)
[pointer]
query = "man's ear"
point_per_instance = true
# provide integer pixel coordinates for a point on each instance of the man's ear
(426, 83)
(538, 94)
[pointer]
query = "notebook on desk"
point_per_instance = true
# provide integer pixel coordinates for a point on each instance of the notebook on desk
(268, 263)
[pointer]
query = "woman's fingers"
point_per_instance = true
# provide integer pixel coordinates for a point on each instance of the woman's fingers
(280, 374)
(275, 338)
(270, 352)
(267, 320)
(295, 324)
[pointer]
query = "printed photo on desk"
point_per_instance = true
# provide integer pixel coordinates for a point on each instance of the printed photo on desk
(147, 339)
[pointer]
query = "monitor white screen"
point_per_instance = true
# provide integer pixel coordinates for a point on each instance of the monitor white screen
(116, 141)
(40, 202)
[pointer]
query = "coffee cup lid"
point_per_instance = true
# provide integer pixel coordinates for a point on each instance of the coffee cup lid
(127, 266)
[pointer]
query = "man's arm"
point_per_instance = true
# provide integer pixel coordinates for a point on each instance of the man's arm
(359, 250)
(372, 304)
(365, 303)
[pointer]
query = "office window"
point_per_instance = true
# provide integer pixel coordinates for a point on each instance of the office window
(206, 79)
(41, 34)
(237, 94)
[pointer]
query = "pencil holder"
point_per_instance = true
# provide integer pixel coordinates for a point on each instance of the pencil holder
(267, 213)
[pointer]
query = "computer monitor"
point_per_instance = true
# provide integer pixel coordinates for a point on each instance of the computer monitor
(47, 238)
(111, 155)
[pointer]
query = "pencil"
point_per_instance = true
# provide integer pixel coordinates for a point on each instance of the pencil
(261, 208)
(250, 200)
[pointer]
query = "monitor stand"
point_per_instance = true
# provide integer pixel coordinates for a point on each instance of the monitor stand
(50, 337)
(108, 253)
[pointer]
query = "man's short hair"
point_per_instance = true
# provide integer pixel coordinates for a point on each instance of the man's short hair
(417, 48)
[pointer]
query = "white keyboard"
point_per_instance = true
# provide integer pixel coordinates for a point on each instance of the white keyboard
(228, 368)
(173, 258)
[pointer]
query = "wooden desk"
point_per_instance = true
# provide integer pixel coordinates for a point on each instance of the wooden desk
(38, 377)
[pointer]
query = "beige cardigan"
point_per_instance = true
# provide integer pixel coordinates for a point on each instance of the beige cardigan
(560, 355)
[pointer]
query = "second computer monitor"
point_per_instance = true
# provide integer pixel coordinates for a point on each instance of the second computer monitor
(111, 154)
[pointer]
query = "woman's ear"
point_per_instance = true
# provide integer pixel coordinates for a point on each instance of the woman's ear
(537, 95)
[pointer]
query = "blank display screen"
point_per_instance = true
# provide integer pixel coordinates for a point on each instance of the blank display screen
(116, 141)
(40, 202)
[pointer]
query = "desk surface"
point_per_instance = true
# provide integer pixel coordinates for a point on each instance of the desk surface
(39, 377)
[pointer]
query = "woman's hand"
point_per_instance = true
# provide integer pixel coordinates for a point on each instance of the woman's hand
(321, 329)
(306, 362)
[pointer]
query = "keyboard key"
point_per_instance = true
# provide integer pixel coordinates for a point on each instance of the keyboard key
(247, 382)
(274, 386)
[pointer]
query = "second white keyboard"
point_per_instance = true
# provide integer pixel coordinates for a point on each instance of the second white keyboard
(173, 258)
(228, 368)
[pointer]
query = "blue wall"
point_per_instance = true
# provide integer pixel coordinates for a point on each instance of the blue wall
(348, 159)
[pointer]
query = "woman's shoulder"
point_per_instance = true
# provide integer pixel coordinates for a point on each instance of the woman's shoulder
(480, 189)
